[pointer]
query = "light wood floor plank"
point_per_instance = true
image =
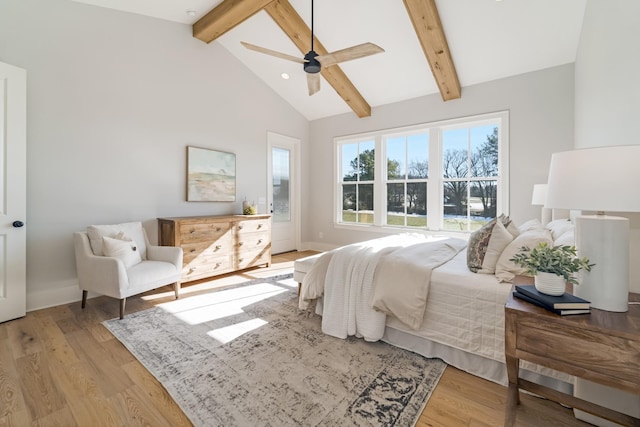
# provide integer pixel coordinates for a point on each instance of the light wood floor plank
(60, 366)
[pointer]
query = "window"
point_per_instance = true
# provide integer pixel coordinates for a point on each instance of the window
(439, 176)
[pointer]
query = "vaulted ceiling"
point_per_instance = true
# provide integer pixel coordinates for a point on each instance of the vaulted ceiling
(430, 46)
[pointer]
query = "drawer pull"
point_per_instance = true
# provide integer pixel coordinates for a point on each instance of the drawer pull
(240, 227)
(218, 247)
(259, 241)
(259, 226)
(192, 250)
(241, 259)
(193, 230)
(218, 264)
(219, 229)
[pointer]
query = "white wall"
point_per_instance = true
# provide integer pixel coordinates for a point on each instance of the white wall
(113, 101)
(541, 122)
(608, 89)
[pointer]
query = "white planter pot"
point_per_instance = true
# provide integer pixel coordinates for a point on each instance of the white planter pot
(549, 283)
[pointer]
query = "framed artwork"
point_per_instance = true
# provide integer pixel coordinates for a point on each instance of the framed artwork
(211, 175)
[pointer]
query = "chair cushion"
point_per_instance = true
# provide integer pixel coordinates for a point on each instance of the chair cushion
(122, 248)
(133, 230)
(148, 275)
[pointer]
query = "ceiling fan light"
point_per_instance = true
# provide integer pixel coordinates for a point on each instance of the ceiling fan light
(312, 65)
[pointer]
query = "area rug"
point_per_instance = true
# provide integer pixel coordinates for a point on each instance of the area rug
(247, 356)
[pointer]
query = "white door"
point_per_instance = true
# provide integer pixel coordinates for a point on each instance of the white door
(13, 190)
(283, 192)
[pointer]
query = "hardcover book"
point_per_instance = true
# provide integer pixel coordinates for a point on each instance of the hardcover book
(561, 312)
(564, 301)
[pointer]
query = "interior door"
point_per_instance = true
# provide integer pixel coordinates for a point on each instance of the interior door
(282, 193)
(13, 189)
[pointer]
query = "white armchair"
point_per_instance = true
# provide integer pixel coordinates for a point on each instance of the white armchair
(118, 261)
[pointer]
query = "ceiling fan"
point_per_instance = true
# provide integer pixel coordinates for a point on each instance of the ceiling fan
(313, 63)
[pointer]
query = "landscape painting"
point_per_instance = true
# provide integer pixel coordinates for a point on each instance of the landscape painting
(211, 175)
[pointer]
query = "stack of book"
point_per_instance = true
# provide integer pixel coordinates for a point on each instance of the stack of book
(563, 305)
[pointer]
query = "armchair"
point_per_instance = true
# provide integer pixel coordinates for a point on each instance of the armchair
(133, 267)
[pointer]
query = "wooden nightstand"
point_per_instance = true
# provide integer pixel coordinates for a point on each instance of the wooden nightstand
(603, 347)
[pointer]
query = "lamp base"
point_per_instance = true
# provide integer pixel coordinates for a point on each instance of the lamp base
(604, 240)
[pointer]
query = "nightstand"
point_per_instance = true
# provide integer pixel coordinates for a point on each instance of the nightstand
(603, 347)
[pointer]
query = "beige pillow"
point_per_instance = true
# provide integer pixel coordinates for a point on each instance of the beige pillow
(532, 224)
(500, 238)
(506, 270)
(125, 250)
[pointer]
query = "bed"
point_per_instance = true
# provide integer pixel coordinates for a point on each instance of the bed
(463, 317)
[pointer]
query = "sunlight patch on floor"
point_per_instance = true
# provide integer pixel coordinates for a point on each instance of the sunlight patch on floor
(220, 304)
(229, 333)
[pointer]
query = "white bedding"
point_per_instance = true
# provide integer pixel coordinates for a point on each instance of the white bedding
(362, 283)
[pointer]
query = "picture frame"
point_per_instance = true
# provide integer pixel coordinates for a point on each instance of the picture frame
(211, 175)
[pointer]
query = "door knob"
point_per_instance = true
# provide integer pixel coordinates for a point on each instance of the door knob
(18, 224)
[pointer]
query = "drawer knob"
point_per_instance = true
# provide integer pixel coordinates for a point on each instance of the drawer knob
(218, 264)
(259, 226)
(218, 247)
(259, 241)
(241, 259)
(193, 230)
(218, 229)
(240, 243)
(192, 250)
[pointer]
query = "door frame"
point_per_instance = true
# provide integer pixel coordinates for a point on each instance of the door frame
(279, 140)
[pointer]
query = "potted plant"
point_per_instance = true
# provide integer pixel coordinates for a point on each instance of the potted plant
(551, 266)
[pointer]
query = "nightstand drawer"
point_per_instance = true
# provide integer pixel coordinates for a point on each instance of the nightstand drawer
(604, 354)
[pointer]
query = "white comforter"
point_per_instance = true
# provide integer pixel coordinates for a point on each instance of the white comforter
(363, 283)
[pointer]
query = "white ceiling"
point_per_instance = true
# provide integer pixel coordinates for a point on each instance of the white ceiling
(488, 40)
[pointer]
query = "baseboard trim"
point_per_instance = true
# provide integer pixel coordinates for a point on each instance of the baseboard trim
(65, 293)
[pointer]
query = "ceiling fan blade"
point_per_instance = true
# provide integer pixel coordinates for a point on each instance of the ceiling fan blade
(353, 52)
(313, 82)
(273, 53)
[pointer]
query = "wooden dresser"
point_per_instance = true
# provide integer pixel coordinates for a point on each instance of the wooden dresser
(215, 245)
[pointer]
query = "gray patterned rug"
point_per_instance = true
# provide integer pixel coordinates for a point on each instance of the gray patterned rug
(246, 356)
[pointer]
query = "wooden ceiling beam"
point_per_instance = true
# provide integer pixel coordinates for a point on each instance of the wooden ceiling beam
(426, 22)
(300, 34)
(224, 17)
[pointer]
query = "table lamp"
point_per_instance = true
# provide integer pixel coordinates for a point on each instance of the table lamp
(602, 179)
(538, 198)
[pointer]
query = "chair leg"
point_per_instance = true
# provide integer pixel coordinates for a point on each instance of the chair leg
(176, 289)
(122, 303)
(84, 298)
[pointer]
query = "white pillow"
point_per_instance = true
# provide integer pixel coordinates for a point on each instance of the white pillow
(133, 230)
(500, 238)
(558, 227)
(506, 270)
(125, 250)
(567, 239)
(532, 224)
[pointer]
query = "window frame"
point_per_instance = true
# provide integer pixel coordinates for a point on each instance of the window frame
(435, 217)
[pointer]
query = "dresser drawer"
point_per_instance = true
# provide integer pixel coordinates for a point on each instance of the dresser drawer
(252, 241)
(253, 225)
(222, 246)
(206, 267)
(204, 232)
(252, 258)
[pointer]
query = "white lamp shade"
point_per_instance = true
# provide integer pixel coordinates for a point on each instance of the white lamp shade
(595, 179)
(539, 196)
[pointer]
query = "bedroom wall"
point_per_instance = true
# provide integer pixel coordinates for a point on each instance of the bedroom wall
(541, 122)
(113, 101)
(608, 89)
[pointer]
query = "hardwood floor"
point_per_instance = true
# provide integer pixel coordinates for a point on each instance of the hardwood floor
(60, 367)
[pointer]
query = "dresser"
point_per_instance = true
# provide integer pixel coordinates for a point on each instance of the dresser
(214, 245)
